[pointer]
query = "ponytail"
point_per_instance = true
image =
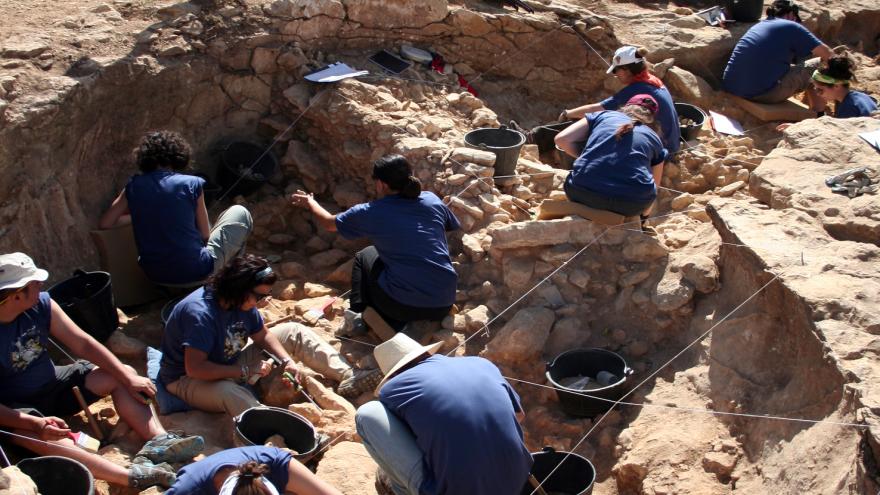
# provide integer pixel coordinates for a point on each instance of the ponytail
(396, 172)
(624, 129)
(412, 189)
(638, 115)
(250, 479)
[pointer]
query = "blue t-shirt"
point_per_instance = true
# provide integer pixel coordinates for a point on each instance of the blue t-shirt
(764, 55)
(163, 215)
(198, 478)
(619, 169)
(462, 412)
(410, 236)
(199, 321)
(25, 365)
(855, 104)
(666, 115)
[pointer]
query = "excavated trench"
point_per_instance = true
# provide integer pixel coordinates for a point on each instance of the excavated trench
(645, 298)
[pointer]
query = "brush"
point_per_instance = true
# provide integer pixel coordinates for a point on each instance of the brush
(313, 315)
(85, 442)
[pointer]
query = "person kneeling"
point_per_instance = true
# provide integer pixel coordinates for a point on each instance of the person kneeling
(29, 380)
(249, 470)
(205, 360)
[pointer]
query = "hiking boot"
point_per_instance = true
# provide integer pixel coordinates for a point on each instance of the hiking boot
(143, 476)
(146, 462)
(352, 325)
(356, 382)
(170, 447)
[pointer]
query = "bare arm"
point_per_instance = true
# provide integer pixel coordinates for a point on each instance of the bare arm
(202, 222)
(575, 133)
(579, 112)
(116, 214)
(305, 482)
(822, 51)
(199, 367)
(323, 217)
(48, 428)
(85, 346)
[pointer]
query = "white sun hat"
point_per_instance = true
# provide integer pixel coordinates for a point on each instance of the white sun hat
(397, 352)
(17, 269)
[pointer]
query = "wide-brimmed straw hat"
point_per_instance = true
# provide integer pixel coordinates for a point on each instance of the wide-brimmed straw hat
(397, 352)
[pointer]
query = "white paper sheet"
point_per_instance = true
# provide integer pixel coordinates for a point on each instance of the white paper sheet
(872, 137)
(725, 124)
(335, 72)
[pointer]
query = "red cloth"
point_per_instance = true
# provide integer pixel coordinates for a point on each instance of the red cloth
(649, 78)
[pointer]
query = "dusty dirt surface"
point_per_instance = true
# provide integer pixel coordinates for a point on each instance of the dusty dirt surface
(749, 320)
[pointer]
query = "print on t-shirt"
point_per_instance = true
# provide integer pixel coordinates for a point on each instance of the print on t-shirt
(26, 349)
(236, 338)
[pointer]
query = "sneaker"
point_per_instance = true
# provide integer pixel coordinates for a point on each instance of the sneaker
(142, 476)
(356, 382)
(352, 325)
(170, 447)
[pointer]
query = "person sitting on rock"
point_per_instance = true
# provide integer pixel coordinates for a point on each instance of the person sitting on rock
(767, 65)
(443, 425)
(629, 67)
(621, 164)
(205, 359)
(407, 274)
(35, 393)
(249, 471)
(176, 244)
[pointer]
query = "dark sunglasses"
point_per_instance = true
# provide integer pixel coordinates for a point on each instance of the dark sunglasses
(258, 296)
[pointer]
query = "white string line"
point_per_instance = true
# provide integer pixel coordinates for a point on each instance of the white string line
(267, 150)
(697, 410)
(398, 78)
(485, 329)
(607, 64)
(76, 449)
(652, 375)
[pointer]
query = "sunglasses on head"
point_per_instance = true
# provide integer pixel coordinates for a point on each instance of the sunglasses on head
(649, 104)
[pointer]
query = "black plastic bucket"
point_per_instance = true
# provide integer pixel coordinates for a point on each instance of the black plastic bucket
(545, 135)
(87, 298)
(695, 114)
(587, 362)
(505, 143)
(574, 476)
(745, 10)
(55, 475)
(257, 424)
(244, 167)
(564, 160)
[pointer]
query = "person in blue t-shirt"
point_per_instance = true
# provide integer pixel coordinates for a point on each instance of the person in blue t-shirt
(832, 84)
(443, 426)
(767, 64)
(205, 357)
(629, 67)
(407, 274)
(35, 393)
(166, 208)
(621, 164)
(249, 470)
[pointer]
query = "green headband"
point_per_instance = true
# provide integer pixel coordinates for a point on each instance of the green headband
(822, 78)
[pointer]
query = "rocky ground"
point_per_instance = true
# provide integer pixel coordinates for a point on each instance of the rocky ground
(765, 278)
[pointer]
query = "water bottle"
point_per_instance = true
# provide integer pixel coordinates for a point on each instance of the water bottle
(606, 378)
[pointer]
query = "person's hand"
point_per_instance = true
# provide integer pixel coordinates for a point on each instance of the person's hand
(265, 368)
(141, 387)
(563, 115)
(294, 370)
(782, 127)
(51, 428)
(301, 198)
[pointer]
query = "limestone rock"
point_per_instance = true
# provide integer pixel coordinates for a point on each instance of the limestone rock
(292, 269)
(691, 88)
(301, 157)
(476, 318)
(702, 272)
(522, 338)
(672, 292)
(518, 272)
(316, 290)
(328, 258)
(719, 463)
(124, 346)
(568, 333)
(23, 47)
(14, 482)
(394, 14)
(472, 247)
(349, 468)
(643, 249)
(480, 157)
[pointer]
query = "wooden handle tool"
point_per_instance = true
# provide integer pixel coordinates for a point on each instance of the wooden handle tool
(93, 423)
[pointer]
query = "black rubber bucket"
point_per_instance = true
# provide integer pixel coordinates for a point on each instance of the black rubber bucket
(574, 476)
(257, 424)
(545, 135)
(244, 167)
(587, 362)
(87, 298)
(55, 475)
(505, 143)
(745, 10)
(564, 160)
(695, 114)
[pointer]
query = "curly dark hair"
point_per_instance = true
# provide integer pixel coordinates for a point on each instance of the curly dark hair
(251, 479)
(235, 281)
(840, 67)
(162, 149)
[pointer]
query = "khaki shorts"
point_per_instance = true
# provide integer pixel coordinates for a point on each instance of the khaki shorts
(797, 79)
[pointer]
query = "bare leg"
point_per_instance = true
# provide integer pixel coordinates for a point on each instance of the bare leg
(135, 413)
(100, 467)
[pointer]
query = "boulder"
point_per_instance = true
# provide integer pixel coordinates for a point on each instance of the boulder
(689, 87)
(522, 338)
(395, 14)
(14, 482)
(672, 292)
(348, 467)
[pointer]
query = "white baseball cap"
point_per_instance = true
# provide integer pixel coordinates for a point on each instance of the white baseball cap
(624, 55)
(17, 269)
